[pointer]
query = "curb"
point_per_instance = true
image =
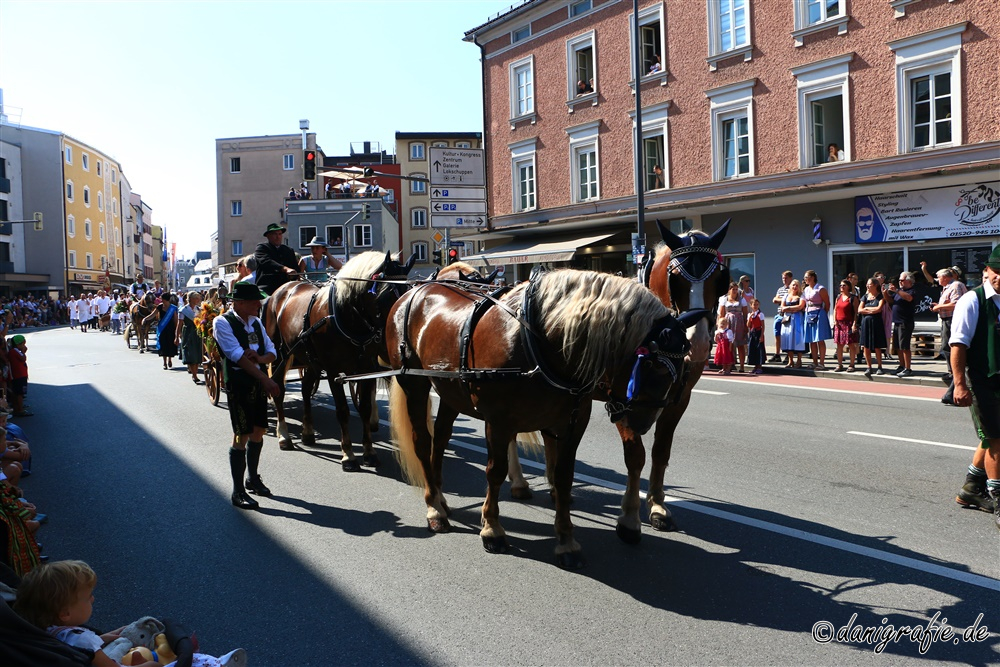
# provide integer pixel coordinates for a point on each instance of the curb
(919, 378)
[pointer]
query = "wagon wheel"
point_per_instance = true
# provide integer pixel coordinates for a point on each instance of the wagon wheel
(213, 383)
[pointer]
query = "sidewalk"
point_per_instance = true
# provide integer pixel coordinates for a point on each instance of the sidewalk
(927, 371)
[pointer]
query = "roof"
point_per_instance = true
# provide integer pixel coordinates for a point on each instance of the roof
(502, 17)
(438, 135)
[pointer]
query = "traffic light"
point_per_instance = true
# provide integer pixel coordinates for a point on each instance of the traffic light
(438, 258)
(38, 221)
(309, 166)
(452, 255)
(366, 211)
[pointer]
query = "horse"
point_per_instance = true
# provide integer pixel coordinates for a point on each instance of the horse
(685, 272)
(338, 328)
(139, 311)
(531, 363)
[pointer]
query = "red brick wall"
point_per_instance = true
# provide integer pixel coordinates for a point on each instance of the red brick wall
(872, 88)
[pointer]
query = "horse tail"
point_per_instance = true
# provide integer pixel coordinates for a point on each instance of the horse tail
(530, 443)
(401, 430)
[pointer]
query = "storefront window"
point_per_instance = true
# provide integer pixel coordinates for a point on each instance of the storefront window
(971, 259)
(867, 264)
(742, 265)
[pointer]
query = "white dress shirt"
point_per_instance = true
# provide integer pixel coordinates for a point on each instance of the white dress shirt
(231, 347)
(966, 317)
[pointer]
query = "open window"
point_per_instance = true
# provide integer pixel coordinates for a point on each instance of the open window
(824, 111)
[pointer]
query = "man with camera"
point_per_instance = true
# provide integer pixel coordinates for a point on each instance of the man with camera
(903, 309)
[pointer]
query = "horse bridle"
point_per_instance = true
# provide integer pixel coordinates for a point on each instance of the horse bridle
(616, 408)
(679, 256)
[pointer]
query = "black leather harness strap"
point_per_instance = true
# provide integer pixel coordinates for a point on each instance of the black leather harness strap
(530, 339)
(465, 338)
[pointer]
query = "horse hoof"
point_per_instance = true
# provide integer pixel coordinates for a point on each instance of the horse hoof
(351, 465)
(285, 445)
(663, 523)
(628, 535)
(495, 545)
(571, 560)
(520, 493)
(309, 440)
(438, 526)
(141, 351)
(373, 427)
(370, 460)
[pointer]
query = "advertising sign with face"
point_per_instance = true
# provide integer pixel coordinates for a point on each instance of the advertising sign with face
(939, 213)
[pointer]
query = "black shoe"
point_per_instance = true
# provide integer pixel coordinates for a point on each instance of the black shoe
(776, 359)
(949, 396)
(243, 501)
(256, 486)
(995, 497)
(973, 494)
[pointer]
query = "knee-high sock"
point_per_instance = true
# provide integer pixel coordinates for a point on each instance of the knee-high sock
(253, 457)
(238, 466)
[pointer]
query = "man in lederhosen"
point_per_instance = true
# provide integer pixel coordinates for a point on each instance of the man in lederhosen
(246, 349)
(276, 262)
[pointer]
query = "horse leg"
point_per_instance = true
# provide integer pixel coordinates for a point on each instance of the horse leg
(310, 379)
(348, 461)
(281, 430)
(444, 424)
(629, 526)
(497, 443)
(373, 422)
(365, 408)
(410, 413)
(568, 552)
(663, 439)
(519, 489)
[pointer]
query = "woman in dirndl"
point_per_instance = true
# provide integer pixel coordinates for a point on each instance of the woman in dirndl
(165, 346)
(186, 336)
(793, 329)
(734, 308)
(872, 327)
(845, 328)
(817, 319)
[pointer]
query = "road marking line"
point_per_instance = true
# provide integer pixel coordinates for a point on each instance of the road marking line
(919, 442)
(904, 561)
(835, 391)
(710, 393)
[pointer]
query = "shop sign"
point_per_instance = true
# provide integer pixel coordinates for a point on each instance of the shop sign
(82, 277)
(941, 213)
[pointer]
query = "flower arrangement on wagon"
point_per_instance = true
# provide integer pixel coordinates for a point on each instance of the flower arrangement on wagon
(203, 323)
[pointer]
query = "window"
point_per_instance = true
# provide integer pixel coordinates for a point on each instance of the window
(69, 155)
(578, 8)
(653, 155)
(651, 40)
(583, 158)
(98, 167)
(815, 15)
(523, 175)
(236, 248)
(236, 207)
(114, 206)
(100, 231)
(86, 196)
(72, 258)
(580, 66)
(417, 151)
(418, 218)
(823, 111)
(362, 236)
(928, 89)
(305, 236)
(85, 161)
(234, 165)
(335, 235)
(100, 201)
(69, 190)
(118, 236)
(114, 176)
(89, 260)
(524, 32)
(728, 30)
(522, 88)
(732, 130)
(288, 161)
(463, 144)
(70, 226)
(87, 228)
(418, 187)
(104, 261)
(419, 248)
(440, 144)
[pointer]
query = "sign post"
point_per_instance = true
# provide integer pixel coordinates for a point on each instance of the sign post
(458, 188)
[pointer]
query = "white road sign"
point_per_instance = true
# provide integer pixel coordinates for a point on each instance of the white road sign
(451, 193)
(458, 207)
(441, 221)
(456, 166)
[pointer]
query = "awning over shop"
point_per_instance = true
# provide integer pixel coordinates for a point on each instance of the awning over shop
(532, 251)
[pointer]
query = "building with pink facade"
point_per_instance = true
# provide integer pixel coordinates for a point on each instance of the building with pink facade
(839, 135)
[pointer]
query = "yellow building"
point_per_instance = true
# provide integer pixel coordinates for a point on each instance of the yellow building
(94, 252)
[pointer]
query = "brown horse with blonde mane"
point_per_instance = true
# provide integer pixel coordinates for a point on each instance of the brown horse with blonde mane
(525, 359)
(335, 328)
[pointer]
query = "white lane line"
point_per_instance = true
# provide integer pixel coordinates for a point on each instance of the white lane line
(833, 391)
(710, 393)
(919, 442)
(903, 561)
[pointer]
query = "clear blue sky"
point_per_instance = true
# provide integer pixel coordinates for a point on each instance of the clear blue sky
(154, 84)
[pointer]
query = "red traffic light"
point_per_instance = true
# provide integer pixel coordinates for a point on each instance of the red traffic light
(310, 156)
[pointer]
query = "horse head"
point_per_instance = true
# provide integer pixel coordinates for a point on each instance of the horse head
(656, 371)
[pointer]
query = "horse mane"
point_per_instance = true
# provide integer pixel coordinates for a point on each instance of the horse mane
(354, 277)
(448, 271)
(597, 319)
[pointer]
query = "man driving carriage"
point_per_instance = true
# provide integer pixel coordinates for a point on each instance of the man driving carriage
(276, 262)
(139, 288)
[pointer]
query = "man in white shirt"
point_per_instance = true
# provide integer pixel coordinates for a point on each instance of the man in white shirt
(73, 306)
(246, 349)
(84, 308)
(975, 363)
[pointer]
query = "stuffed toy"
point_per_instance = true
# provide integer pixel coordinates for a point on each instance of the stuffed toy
(139, 656)
(148, 640)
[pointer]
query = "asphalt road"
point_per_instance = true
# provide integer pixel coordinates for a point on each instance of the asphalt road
(788, 521)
